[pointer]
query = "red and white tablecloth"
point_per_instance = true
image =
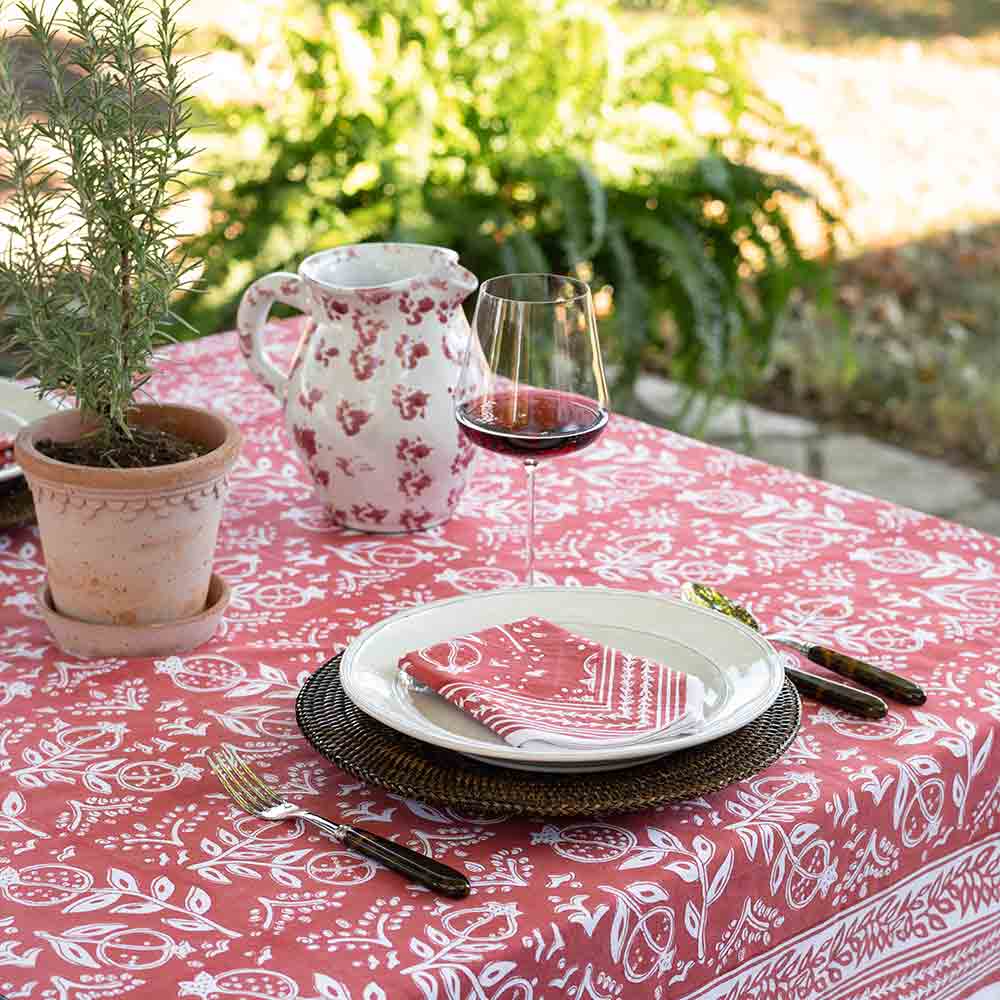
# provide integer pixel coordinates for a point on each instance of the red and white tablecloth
(864, 864)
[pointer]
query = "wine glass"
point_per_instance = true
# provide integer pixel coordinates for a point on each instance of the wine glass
(532, 382)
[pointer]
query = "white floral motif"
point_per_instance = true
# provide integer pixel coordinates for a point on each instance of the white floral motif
(11, 810)
(466, 936)
(10, 950)
(253, 850)
(799, 859)
(919, 800)
(73, 891)
(960, 741)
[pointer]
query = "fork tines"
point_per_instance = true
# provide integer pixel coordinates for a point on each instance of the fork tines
(244, 786)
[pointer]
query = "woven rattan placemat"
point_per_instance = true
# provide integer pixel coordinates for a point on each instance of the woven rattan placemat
(366, 748)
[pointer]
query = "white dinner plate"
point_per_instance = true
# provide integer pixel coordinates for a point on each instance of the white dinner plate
(589, 767)
(18, 407)
(740, 669)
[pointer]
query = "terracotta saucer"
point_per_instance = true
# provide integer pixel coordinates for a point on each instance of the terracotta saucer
(86, 639)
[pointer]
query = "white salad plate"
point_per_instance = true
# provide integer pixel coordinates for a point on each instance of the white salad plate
(741, 671)
(18, 407)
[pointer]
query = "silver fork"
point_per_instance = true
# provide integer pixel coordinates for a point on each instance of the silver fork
(255, 796)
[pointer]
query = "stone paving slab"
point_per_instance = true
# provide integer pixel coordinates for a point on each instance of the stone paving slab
(728, 419)
(851, 460)
(985, 516)
(883, 470)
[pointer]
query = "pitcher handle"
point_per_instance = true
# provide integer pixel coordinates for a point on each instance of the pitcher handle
(281, 286)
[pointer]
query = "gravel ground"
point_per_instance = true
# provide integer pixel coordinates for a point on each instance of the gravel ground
(910, 130)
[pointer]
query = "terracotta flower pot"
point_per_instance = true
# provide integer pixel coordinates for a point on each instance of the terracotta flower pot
(130, 546)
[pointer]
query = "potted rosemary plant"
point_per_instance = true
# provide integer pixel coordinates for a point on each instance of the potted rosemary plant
(128, 493)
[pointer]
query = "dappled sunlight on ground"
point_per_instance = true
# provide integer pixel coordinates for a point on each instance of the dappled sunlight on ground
(910, 133)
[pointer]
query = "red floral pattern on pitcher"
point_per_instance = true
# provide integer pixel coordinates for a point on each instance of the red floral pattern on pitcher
(323, 354)
(414, 520)
(351, 418)
(413, 483)
(309, 399)
(370, 397)
(410, 352)
(368, 512)
(305, 438)
(412, 450)
(411, 403)
(352, 466)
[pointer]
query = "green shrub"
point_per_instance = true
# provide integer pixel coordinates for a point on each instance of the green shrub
(528, 135)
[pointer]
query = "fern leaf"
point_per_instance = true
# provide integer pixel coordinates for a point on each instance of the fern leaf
(598, 203)
(701, 281)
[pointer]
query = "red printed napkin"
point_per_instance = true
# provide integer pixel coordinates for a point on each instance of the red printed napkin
(538, 685)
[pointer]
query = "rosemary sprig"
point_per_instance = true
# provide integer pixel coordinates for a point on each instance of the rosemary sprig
(90, 172)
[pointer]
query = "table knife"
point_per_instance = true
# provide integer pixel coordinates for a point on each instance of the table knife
(891, 685)
(850, 699)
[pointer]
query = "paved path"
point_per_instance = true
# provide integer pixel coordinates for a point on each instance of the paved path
(850, 460)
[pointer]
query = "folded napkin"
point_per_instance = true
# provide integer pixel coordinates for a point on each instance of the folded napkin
(541, 687)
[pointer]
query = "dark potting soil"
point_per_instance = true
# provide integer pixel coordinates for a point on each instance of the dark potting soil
(16, 506)
(147, 447)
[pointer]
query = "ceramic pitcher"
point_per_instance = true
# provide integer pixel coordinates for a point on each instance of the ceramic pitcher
(369, 396)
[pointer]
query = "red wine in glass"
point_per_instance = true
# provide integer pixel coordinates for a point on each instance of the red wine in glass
(532, 383)
(531, 422)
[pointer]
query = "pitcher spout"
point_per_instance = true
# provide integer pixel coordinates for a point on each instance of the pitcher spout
(459, 281)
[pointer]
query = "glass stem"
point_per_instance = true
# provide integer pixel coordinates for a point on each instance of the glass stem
(529, 541)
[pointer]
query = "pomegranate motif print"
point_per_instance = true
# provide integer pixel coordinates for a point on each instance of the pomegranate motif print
(368, 400)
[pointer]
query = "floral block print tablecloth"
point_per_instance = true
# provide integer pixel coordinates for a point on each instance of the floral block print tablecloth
(864, 864)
